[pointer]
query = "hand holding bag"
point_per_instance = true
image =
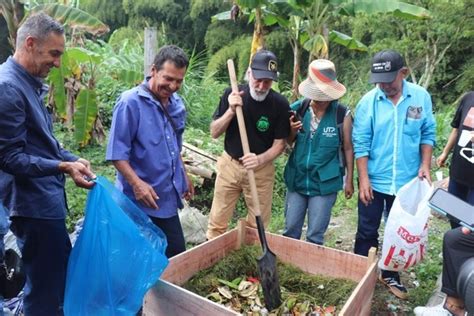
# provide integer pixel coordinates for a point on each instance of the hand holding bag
(117, 257)
(406, 231)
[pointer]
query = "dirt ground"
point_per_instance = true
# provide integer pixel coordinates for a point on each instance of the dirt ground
(340, 235)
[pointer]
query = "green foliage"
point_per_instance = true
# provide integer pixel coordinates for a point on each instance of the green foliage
(222, 34)
(347, 41)
(111, 12)
(399, 9)
(121, 69)
(5, 48)
(73, 17)
(435, 60)
(201, 93)
(126, 34)
(466, 77)
(277, 42)
(238, 50)
(200, 8)
(277, 222)
(173, 15)
(85, 116)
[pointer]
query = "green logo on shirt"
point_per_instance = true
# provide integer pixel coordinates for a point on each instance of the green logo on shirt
(263, 124)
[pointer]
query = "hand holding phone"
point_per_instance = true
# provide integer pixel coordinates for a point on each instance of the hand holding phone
(296, 123)
(453, 207)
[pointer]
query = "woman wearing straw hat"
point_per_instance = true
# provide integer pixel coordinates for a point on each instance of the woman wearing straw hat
(322, 151)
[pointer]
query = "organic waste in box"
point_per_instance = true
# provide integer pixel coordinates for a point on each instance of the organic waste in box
(169, 298)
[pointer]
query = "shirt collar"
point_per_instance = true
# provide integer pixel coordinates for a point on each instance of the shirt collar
(380, 95)
(36, 82)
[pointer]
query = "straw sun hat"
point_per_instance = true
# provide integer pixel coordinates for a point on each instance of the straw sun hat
(321, 84)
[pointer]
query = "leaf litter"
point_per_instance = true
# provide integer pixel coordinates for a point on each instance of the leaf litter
(233, 282)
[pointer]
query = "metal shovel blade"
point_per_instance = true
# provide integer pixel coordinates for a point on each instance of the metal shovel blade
(267, 270)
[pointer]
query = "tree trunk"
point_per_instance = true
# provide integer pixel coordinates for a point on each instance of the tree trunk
(257, 41)
(296, 71)
(325, 54)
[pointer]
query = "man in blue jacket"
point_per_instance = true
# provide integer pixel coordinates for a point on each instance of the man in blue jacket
(145, 144)
(393, 135)
(32, 155)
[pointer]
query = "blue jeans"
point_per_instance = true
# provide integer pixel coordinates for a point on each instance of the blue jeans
(369, 222)
(367, 235)
(319, 213)
(461, 191)
(45, 249)
(174, 234)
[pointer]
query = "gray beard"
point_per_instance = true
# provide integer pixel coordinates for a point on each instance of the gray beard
(259, 97)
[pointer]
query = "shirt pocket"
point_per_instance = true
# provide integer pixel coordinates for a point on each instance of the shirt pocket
(413, 120)
(412, 127)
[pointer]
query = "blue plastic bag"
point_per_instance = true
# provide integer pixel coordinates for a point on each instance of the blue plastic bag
(117, 257)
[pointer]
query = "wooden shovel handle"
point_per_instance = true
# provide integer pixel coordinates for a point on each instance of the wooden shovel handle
(243, 137)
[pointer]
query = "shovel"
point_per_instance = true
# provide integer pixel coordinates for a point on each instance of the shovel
(267, 262)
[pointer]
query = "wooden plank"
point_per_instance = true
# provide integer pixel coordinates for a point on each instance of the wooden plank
(372, 257)
(241, 232)
(183, 266)
(168, 299)
(312, 258)
(202, 172)
(360, 301)
(150, 50)
(200, 152)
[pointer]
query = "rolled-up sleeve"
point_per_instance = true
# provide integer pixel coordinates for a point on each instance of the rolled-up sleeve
(122, 131)
(428, 129)
(13, 139)
(362, 132)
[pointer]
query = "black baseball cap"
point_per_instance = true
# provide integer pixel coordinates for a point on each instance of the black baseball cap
(385, 66)
(264, 65)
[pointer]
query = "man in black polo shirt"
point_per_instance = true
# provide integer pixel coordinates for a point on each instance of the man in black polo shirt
(266, 120)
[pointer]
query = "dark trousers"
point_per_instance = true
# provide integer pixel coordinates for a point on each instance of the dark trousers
(457, 249)
(461, 191)
(45, 249)
(367, 235)
(174, 234)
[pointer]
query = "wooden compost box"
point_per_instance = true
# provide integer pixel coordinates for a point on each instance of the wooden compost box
(168, 298)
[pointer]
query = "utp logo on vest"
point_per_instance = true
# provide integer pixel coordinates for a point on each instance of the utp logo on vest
(329, 132)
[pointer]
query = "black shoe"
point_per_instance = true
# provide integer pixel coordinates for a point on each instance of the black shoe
(395, 286)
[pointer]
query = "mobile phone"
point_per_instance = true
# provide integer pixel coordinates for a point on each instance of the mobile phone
(453, 207)
(296, 117)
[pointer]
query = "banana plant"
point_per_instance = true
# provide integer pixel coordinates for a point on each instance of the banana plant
(75, 102)
(14, 11)
(74, 18)
(309, 30)
(73, 85)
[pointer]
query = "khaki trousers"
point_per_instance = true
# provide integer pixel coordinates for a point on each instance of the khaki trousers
(231, 181)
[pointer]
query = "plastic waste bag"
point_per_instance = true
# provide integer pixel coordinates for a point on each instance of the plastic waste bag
(194, 224)
(117, 257)
(406, 232)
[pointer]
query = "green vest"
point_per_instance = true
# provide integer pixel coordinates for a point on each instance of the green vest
(313, 167)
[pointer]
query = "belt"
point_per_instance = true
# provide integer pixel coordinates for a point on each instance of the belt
(232, 158)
